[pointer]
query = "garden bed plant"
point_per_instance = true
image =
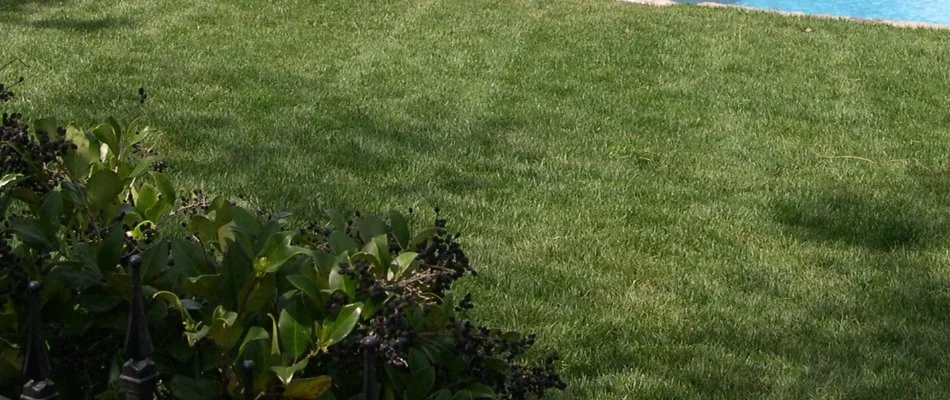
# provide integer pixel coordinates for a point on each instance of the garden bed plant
(235, 284)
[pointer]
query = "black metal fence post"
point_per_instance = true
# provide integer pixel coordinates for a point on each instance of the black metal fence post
(139, 375)
(36, 364)
(247, 367)
(370, 386)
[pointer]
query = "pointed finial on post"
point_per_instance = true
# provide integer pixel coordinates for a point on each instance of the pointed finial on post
(36, 364)
(139, 375)
(138, 343)
(247, 367)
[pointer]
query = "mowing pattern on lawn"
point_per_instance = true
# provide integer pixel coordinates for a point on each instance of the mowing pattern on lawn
(686, 202)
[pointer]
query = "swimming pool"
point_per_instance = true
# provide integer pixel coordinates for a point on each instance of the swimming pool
(932, 11)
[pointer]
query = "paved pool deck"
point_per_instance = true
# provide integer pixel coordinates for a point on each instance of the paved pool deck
(902, 24)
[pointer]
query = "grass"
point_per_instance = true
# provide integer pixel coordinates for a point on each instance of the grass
(685, 202)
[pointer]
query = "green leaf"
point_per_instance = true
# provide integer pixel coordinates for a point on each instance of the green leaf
(418, 361)
(110, 250)
(257, 293)
(274, 344)
(286, 373)
(73, 278)
(338, 281)
(403, 261)
(31, 232)
(400, 228)
(154, 260)
(337, 220)
(205, 286)
(145, 198)
(308, 388)
(480, 390)
(463, 395)
(107, 135)
(255, 333)
(142, 167)
(165, 187)
(50, 213)
(295, 330)
(49, 125)
(189, 258)
(174, 301)
(370, 227)
(420, 383)
(280, 251)
(340, 243)
(102, 189)
(184, 387)
(78, 161)
(422, 237)
(309, 287)
(442, 394)
(343, 324)
(225, 331)
(9, 179)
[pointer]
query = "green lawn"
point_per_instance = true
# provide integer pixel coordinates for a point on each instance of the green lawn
(685, 202)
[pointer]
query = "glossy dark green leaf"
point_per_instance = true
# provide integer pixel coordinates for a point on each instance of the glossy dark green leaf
(337, 220)
(422, 237)
(343, 324)
(190, 259)
(165, 187)
(110, 249)
(442, 394)
(371, 226)
(286, 373)
(50, 213)
(257, 293)
(102, 189)
(295, 328)
(107, 134)
(480, 390)
(225, 329)
(463, 395)
(205, 286)
(400, 228)
(308, 388)
(154, 260)
(10, 179)
(253, 334)
(420, 384)
(184, 387)
(403, 263)
(78, 161)
(340, 243)
(309, 287)
(418, 361)
(30, 231)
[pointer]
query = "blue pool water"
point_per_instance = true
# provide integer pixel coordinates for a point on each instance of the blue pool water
(933, 11)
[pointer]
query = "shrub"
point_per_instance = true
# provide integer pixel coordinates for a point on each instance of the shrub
(303, 304)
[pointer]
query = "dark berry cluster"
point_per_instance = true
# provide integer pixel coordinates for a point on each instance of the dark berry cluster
(193, 203)
(443, 261)
(392, 332)
(5, 93)
(33, 156)
(486, 348)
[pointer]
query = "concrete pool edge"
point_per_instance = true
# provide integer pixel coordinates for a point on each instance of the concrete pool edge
(899, 24)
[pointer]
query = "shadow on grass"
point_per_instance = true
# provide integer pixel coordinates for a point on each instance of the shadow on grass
(859, 219)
